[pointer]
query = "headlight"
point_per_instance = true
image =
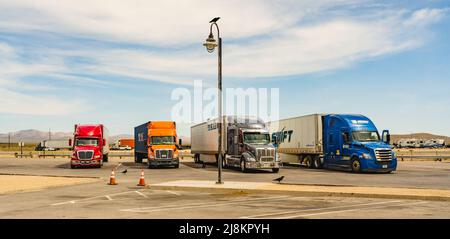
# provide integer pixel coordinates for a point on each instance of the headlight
(251, 159)
(394, 155)
(366, 156)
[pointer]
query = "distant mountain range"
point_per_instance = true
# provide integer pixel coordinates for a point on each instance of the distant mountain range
(35, 136)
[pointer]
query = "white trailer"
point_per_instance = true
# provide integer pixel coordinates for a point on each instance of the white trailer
(245, 144)
(54, 144)
(300, 138)
(205, 140)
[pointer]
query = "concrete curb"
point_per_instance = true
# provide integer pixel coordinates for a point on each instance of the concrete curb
(425, 194)
(47, 175)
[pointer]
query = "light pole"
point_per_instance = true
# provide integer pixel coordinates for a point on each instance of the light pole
(210, 44)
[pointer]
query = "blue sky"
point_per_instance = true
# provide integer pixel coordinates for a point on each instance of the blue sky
(117, 62)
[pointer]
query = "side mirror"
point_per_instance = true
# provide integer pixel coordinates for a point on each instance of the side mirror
(386, 136)
(180, 142)
(70, 142)
(104, 142)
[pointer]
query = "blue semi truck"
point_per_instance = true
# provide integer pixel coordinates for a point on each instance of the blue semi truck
(334, 141)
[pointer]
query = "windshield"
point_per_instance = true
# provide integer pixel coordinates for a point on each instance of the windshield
(156, 140)
(256, 138)
(366, 136)
(86, 142)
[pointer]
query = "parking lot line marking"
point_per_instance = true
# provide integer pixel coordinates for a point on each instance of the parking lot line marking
(347, 210)
(174, 193)
(141, 194)
(90, 198)
(198, 205)
(315, 209)
(108, 197)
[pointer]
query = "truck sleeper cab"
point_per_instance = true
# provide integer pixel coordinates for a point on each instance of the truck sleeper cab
(353, 142)
(90, 146)
(155, 141)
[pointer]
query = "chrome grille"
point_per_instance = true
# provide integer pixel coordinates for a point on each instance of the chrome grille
(164, 153)
(85, 154)
(383, 154)
(265, 155)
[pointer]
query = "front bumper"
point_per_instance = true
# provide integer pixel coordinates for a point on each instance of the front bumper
(87, 163)
(262, 165)
(378, 166)
(164, 162)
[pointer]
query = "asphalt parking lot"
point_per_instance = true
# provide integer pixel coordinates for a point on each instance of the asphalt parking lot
(126, 200)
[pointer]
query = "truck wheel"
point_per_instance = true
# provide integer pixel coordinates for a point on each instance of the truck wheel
(197, 158)
(275, 170)
(243, 168)
(177, 165)
(317, 163)
(105, 158)
(137, 158)
(309, 162)
(356, 165)
(224, 161)
(72, 166)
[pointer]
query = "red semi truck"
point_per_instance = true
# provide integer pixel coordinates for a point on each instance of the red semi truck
(90, 146)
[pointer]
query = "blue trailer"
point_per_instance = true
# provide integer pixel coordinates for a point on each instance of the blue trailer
(334, 141)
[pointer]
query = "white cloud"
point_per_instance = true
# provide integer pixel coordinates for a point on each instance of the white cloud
(426, 16)
(17, 103)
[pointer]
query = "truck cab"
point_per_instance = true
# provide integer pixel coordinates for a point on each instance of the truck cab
(353, 142)
(156, 141)
(90, 146)
(249, 147)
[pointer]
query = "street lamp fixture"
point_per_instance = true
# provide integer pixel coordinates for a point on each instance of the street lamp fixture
(210, 45)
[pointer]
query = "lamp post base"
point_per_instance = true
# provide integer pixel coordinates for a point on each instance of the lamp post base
(219, 182)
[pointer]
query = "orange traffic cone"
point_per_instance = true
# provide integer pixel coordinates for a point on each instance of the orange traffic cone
(112, 178)
(142, 179)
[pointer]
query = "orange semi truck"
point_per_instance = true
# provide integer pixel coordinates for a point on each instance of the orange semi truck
(155, 141)
(126, 143)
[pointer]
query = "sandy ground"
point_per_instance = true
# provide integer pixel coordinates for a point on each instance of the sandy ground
(16, 183)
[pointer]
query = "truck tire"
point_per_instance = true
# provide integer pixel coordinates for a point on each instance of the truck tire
(72, 166)
(137, 158)
(177, 165)
(224, 161)
(356, 165)
(275, 170)
(243, 168)
(316, 162)
(309, 162)
(105, 158)
(197, 159)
